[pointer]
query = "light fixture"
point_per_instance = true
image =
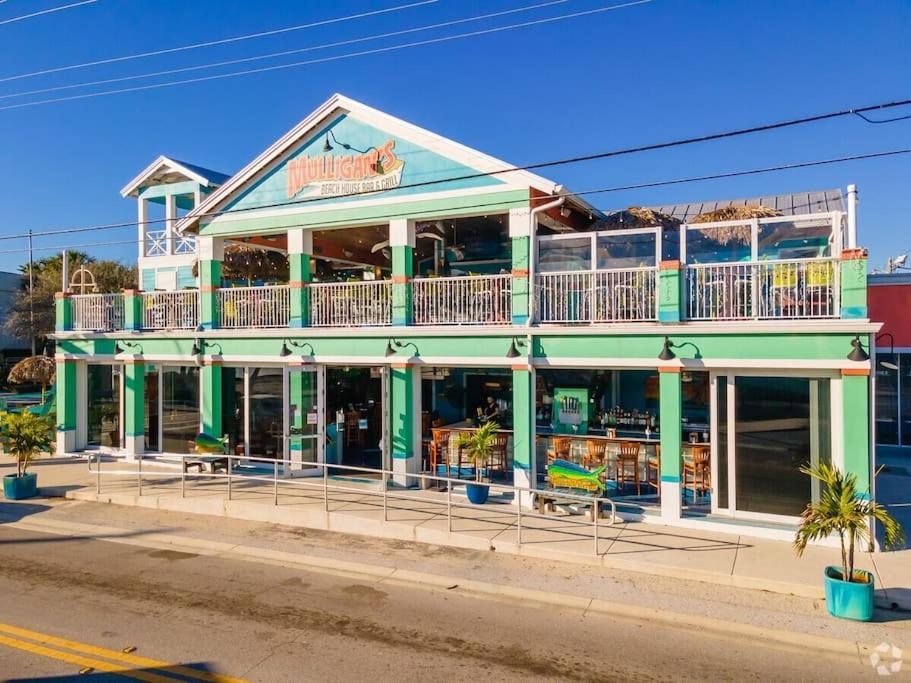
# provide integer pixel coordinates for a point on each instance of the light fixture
(858, 354)
(198, 346)
(390, 349)
(666, 353)
(393, 345)
(122, 346)
(887, 364)
(287, 343)
(327, 147)
(514, 348)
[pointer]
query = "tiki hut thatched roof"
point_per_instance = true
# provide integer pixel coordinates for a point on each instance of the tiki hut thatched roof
(35, 370)
(637, 217)
(733, 233)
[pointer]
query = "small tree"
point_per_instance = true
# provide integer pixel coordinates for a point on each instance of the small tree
(25, 436)
(840, 511)
(479, 445)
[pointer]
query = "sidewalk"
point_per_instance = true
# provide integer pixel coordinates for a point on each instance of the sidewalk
(705, 556)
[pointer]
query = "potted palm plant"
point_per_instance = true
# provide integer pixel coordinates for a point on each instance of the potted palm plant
(24, 436)
(840, 510)
(478, 446)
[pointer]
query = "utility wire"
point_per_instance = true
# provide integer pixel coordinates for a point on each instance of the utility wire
(349, 55)
(490, 204)
(211, 43)
(23, 17)
(283, 53)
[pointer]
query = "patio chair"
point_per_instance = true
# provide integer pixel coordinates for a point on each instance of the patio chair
(820, 279)
(628, 465)
(784, 295)
(560, 449)
(353, 432)
(438, 445)
(653, 470)
(697, 470)
(596, 452)
(498, 459)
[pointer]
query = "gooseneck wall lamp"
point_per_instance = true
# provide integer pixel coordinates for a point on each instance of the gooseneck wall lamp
(288, 344)
(666, 353)
(857, 354)
(393, 346)
(123, 345)
(888, 364)
(514, 347)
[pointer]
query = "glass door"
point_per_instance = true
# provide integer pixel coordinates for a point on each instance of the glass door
(304, 421)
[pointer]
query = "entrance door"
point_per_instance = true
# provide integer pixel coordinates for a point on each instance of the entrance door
(304, 422)
(764, 429)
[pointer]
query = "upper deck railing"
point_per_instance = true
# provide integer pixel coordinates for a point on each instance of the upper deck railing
(351, 304)
(467, 300)
(98, 312)
(170, 310)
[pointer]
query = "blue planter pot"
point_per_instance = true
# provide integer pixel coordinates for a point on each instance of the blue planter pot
(477, 493)
(848, 600)
(17, 488)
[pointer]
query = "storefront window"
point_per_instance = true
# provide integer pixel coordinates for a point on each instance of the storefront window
(232, 408)
(103, 402)
(719, 245)
(722, 445)
(266, 412)
(793, 239)
(151, 413)
(904, 361)
(627, 251)
(557, 255)
(887, 386)
(180, 407)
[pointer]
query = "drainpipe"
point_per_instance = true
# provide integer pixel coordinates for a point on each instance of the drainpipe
(533, 260)
(852, 217)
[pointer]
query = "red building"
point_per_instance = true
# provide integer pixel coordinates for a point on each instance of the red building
(889, 301)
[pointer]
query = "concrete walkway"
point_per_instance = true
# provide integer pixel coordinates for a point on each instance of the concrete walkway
(705, 555)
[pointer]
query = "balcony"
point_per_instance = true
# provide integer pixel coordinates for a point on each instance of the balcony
(98, 312)
(253, 307)
(170, 310)
(470, 300)
(351, 304)
(600, 296)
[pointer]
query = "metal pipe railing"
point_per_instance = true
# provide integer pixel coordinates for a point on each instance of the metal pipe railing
(327, 486)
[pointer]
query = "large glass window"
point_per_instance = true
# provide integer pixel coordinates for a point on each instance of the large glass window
(103, 399)
(723, 244)
(904, 361)
(565, 254)
(232, 408)
(152, 415)
(887, 389)
(794, 239)
(781, 423)
(637, 250)
(722, 444)
(180, 407)
(266, 412)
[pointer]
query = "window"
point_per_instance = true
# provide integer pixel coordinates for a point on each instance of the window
(180, 407)
(103, 399)
(887, 385)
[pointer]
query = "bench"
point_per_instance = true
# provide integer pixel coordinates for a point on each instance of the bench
(547, 499)
(215, 463)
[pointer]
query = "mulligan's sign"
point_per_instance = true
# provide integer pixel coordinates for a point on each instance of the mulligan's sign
(327, 175)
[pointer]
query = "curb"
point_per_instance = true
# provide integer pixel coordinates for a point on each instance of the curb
(429, 581)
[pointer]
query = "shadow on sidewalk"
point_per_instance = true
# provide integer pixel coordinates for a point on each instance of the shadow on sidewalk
(195, 671)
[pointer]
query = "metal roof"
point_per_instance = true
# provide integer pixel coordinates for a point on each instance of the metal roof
(793, 204)
(214, 177)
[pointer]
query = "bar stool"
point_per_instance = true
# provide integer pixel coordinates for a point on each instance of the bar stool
(560, 450)
(437, 447)
(653, 470)
(628, 465)
(597, 449)
(698, 469)
(498, 453)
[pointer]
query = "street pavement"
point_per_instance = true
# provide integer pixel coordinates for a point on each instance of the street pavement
(77, 602)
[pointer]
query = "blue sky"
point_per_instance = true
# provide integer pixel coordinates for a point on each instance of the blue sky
(664, 70)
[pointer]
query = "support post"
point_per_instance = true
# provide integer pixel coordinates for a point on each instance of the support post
(132, 310)
(300, 249)
(210, 378)
(66, 406)
(523, 440)
(405, 427)
(63, 312)
(134, 405)
(522, 288)
(670, 410)
(211, 254)
(670, 292)
(853, 278)
(855, 416)
(401, 241)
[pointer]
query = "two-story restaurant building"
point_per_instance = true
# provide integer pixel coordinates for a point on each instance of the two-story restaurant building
(430, 287)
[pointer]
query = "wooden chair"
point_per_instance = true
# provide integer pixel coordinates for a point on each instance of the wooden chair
(498, 459)
(560, 450)
(698, 469)
(628, 465)
(438, 444)
(653, 470)
(352, 428)
(597, 449)
(454, 455)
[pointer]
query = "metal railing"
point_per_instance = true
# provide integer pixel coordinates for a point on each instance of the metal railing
(328, 484)
(351, 304)
(793, 289)
(98, 312)
(468, 300)
(598, 296)
(170, 310)
(156, 243)
(267, 306)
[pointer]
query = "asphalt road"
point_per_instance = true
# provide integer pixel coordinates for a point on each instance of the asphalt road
(261, 622)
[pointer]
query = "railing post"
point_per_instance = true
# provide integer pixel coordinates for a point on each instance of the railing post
(853, 276)
(97, 474)
(670, 297)
(402, 242)
(385, 497)
(229, 477)
(300, 248)
(326, 487)
(63, 312)
(449, 504)
(275, 483)
(596, 513)
(522, 296)
(139, 475)
(183, 478)
(132, 310)
(519, 520)
(211, 254)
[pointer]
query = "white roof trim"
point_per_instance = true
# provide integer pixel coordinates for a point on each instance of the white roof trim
(136, 183)
(437, 143)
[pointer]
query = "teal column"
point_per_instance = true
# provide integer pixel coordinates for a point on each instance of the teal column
(132, 310)
(670, 412)
(853, 276)
(210, 401)
(521, 288)
(134, 405)
(523, 429)
(66, 406)
(299, 278)
(209, 282)
(670, 292)
(402, 272)
(63, 312)
(405, 413)
(855, 424)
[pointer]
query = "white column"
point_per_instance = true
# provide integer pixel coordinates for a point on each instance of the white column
(401, 232)
(170, 214)
(142, 217)
(300, 241)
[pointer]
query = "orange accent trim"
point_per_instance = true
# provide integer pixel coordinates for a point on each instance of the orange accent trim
(672, 264)
(208, 288)
(400, 279)
(62, 295)
(853, 254)
(520, 272)
(132, 292)
(297, 284)
(856, 372)
(526, 368)
(400, 366)
(133, 361)
(211, 361)
(298, 363)
(670, 368)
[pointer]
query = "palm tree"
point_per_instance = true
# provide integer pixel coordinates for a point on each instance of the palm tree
(840, 510)
(479, 445)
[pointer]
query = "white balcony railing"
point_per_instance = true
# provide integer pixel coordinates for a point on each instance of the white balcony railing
(599, 296)
(184, 244)
(351, 304)
(471, 300)
(796, 289)
(98, 312)
(254, 306)
(170, 310)
(156, 243)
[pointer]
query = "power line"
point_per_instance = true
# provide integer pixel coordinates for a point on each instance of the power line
(211, 43)
(349, 55)
(283, 53)
(23, 17)
(498, 203)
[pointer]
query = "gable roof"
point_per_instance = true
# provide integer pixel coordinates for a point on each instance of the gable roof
(164, 168)
(791, 204)
(341, 104)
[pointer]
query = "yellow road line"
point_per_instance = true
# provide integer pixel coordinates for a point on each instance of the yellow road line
(121, 657)
(78, 660)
